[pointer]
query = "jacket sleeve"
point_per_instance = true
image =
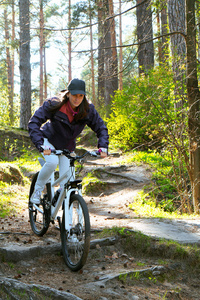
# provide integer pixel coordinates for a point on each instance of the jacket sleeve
(40, 116)
(96, 123)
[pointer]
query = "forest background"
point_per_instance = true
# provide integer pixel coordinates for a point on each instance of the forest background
(140, 61)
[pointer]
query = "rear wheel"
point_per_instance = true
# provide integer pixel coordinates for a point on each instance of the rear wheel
(39, 214)
(76, 243)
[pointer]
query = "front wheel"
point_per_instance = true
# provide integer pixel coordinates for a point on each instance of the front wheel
(39, 215)
(76, 243)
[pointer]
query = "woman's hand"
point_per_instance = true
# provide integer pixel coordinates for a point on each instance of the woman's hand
(103, 154)
(47, 152)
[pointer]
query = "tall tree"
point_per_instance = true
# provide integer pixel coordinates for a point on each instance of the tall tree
(24, 64)
(45, 73)
(46, 11)
(159, 41)
(164, 31)
(176, 15)
(13, 48)
(69, 44)
(145, 33)
(110, 57)
(120, 49)
(9, 66)
(101, 43)
(198, 24)
(107, 60)
(92, 55)
(194, 103)
(41, 38)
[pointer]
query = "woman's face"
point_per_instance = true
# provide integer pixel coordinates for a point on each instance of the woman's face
(75, 100)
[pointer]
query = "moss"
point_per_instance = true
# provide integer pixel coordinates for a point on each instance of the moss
(93, 188)
(10, 174)
(138, 244)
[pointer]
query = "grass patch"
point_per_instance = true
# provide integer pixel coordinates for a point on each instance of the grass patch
(137, 244)
(161, 198)
(14, 185)
(145, 206)
(28, 162)
(92, 185)
(13, 198)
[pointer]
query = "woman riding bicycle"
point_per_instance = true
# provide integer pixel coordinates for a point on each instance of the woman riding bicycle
(57, 123)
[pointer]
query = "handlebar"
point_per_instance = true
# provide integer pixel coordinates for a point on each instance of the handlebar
(72, 156)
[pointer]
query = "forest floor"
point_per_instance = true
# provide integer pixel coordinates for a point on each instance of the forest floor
(33, 267)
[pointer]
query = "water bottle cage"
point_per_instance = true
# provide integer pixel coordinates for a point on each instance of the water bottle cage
(55, 198)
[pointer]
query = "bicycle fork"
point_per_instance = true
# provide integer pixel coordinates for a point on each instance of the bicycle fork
(68, 209)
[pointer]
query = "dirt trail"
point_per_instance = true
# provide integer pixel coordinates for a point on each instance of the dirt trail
(37, 263)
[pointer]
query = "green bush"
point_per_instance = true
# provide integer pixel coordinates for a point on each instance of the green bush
(4, 111)
(143, 112)
(163, 193)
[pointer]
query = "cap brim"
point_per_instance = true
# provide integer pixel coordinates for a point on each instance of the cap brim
(75, 92)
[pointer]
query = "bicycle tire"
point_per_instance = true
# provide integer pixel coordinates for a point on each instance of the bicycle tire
(76, 243)
(40, 218)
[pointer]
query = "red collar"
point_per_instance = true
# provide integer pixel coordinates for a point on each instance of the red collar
(71, 109)
(67, 109)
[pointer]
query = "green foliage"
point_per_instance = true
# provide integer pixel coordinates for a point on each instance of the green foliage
(91, 184)
(81, 11)
(6, 207)
(129, 62)
(161, 198)
(148, 114)
(10, 173)
(143, 113)
(14, 186)
(4, 110)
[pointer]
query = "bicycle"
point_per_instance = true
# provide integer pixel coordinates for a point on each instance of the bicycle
(75, 224)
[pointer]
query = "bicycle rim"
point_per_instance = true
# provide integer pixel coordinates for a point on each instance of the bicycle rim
(76, 243)
(39, 215)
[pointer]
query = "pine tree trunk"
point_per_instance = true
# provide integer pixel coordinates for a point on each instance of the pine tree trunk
(13, 49)
(69, 45)
(164, 30)
(101, 45)
(110, 59)
(159, 41)
(24, 65)
(41, 94)
(120, 49)
(45, 74)
(176, 15)
(107, 54)
(9, 67)
(92, 59)
(145, 33)
(113, 49)
(198, 22)
(193, 100)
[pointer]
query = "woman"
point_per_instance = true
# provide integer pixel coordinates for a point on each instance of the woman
(57, 123)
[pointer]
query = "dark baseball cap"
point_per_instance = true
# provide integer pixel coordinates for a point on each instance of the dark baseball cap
(76, 86)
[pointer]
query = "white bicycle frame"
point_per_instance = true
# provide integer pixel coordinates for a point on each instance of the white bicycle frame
(64, 196)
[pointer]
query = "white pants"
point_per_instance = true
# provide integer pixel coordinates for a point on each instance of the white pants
(50, 165)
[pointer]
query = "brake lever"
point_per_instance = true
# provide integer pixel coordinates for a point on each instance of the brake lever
(94, 153)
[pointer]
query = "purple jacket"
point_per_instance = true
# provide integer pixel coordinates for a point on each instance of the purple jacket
(60, 132)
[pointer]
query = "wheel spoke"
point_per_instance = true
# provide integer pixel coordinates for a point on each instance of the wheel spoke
(39, 214)
(76, 243)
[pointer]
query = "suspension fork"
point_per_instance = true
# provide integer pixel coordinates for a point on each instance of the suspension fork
(69, 209)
